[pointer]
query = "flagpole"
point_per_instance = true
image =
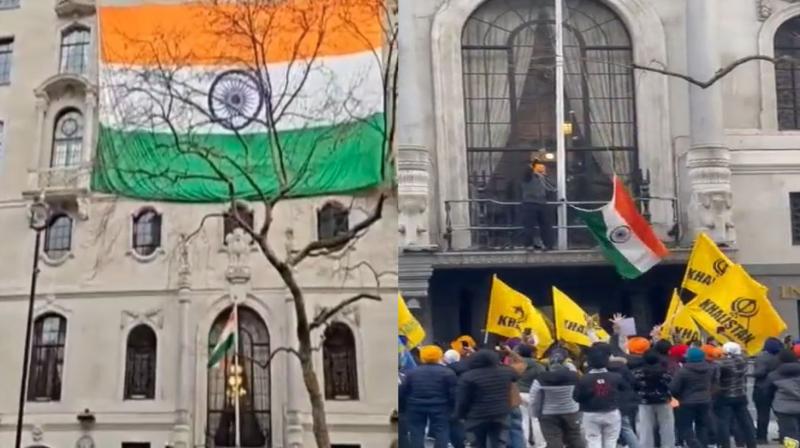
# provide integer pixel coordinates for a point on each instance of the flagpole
(236, 369)
(561, 153)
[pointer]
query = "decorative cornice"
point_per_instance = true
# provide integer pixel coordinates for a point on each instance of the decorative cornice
(50, 306)
(154, 318)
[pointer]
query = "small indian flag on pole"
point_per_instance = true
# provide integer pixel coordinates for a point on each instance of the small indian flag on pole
(624, 236)
(225, 342)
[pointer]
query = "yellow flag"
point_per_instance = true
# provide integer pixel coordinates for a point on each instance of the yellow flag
(679, 322)
(540, 329)
(706, 264)
(508, 310)
(736, 308)
(407, 324)
(572, 324)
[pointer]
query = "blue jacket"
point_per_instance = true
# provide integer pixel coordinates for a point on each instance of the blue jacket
(428, 386)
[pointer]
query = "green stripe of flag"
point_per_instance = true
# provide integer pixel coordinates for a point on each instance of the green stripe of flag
(221, 349)
(597, 226)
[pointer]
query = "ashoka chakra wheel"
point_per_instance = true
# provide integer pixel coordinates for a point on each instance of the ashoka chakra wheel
(235, 99)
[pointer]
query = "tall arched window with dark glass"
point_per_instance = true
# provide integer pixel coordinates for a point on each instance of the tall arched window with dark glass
(508, 49)
(146, 232)
(58, 237)
(47, 358)
(140, 364)
(252, 377)
(340, 367)
(67, 139)
(787, 74)
(333, 219)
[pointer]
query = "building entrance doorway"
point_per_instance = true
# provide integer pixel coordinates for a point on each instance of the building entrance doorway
(460, 297)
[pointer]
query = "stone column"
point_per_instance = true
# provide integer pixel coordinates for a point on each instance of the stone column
(413, 156)
(708, 160)
(182, 433)
(294, 380)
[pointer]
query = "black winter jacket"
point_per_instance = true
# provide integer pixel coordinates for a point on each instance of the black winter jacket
(783, 388)
(652, 382)
(629, 399)
(600, 391)
(693, 383)
(732, 377)
(429, 386)
(484, 391)
(532, 370)
(764, 364)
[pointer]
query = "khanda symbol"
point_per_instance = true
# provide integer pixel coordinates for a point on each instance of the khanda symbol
(720, 267)
(744, 307)
(520, 313)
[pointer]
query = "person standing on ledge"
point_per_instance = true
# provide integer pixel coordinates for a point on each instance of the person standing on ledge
(537, 215)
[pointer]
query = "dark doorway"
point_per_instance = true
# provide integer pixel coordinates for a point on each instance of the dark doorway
(460, 297)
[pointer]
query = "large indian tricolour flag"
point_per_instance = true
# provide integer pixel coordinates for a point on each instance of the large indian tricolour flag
(201, 101)
(624, 235)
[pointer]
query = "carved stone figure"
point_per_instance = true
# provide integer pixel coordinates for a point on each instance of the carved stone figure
(238, 243)
(713, 214)
(413, 177)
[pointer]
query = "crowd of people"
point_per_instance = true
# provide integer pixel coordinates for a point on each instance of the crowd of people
(642, 393)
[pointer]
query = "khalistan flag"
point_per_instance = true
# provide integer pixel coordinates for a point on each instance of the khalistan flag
(225, 342)
(624, 236)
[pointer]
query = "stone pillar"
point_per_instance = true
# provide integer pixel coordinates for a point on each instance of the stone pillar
(294, 381)
(413, 155)
(416, 270)
(708, 160)
(182, 433)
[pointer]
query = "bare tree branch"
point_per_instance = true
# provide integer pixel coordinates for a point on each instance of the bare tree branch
(328, 313)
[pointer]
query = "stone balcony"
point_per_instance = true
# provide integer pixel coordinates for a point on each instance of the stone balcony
(74, 8)
(59, 182)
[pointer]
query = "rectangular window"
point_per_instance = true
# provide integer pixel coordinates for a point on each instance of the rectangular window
(6, 48)
(135, 444)
(794, 209)
(9, 4)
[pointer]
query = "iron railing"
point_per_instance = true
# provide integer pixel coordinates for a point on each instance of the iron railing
(497, 225)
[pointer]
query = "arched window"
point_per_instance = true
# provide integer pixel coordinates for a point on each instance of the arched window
(333, 219)
(230, 222)
(339, 355)
(47, 358)
(508, 49)
(146, 232)
(67, 139)
(787, 74)
(58, 237)
(254, 377)
(75, 50)
(140, 364)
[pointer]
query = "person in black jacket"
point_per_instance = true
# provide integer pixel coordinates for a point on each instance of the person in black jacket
(599, 393)
(655, 412)
(453, 360)
(483, 399)
(782, 388)
(692, 386)
(629, 400)
(427, 395)
(731, 402)
(765, 363)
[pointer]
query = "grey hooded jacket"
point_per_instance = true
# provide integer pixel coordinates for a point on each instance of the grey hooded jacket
(783, 386)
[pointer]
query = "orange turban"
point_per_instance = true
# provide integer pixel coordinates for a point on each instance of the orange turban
(430, 354)
(711, 352)
(458, 343)
(638, 345)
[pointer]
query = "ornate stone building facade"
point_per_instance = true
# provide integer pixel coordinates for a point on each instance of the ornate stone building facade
(127, 308)
(478, 84)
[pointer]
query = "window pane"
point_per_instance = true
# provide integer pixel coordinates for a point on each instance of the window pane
(140, 365)
(787, 74)
(340, 368)
(332, 220)
(6, 50)
(67, 140)
(75, 51)
(147, 232)
(47, 358)
(58, 237)
(9, 4)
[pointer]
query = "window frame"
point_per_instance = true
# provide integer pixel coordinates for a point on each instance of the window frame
(9, 54)
(330, 217)
(128, 394)
(7, 5)
(134, 226)
(63, 253)
(38, 335)
(355, 381)
(230, 223)
(794, 217)
(65, 56)
(69, 151)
